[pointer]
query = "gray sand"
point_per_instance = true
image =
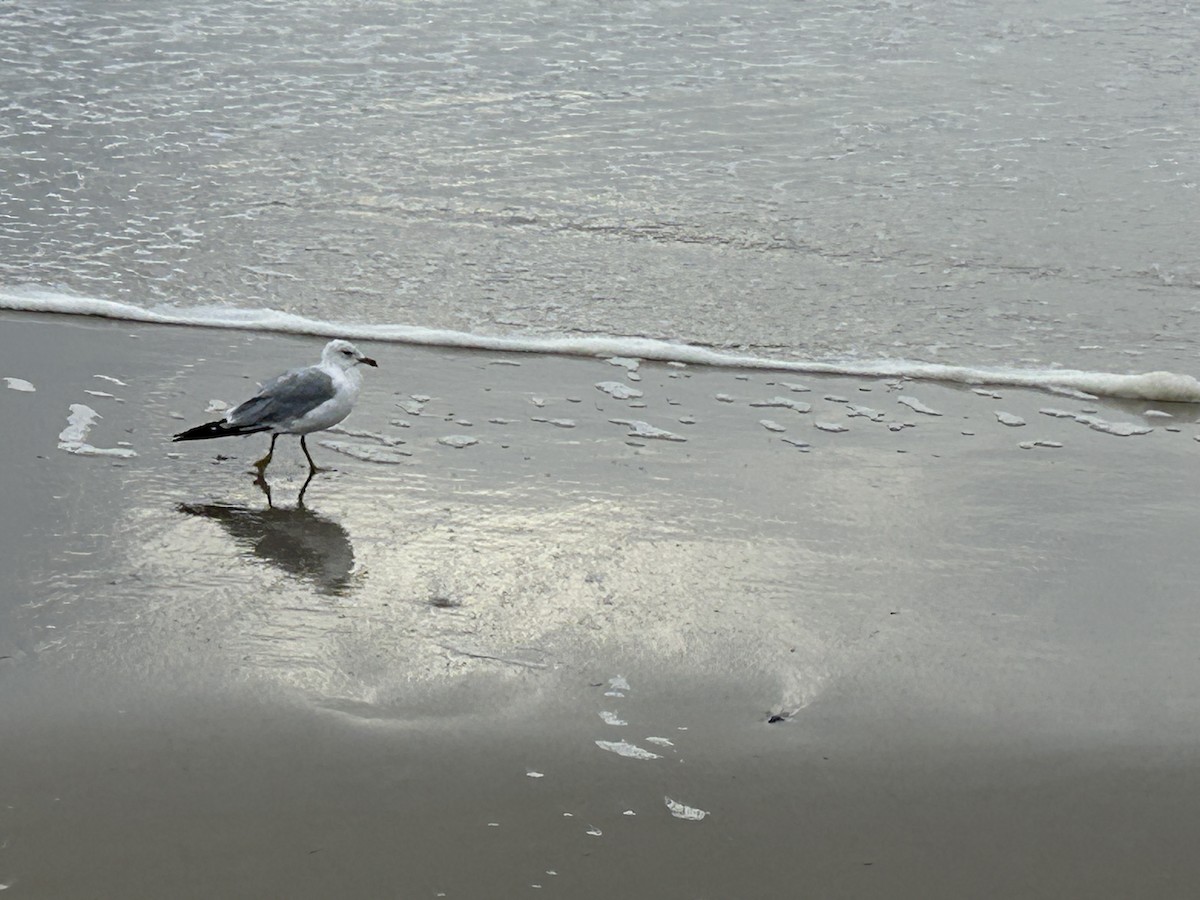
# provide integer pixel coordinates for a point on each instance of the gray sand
(982, 655)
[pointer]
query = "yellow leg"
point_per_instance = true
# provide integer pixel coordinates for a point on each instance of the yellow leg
(262, 464)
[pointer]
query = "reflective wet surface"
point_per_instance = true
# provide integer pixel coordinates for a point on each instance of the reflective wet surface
(594, 656)
(663, 526)
(302, 543)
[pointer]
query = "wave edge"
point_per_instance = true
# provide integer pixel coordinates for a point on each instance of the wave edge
(1166, 387)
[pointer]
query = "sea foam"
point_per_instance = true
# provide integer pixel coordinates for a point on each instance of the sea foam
(1159, 386)
(73, 438)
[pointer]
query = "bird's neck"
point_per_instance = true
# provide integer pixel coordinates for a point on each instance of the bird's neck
(353, 377)
(350, 377)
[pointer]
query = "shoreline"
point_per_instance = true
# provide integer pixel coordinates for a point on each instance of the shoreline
(1159, 386)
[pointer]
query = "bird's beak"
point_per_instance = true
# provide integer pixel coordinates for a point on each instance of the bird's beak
(368, 361)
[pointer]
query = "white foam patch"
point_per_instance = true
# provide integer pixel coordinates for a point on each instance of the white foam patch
(853, 410)
(626, 362)
(917, 406)
(782, 403)
(1160, 386)
(682, 811)
(19, 384)
(381, 455)
(638, 428)
(457, 441)
(617, 686)
(73, 438)
(626, 749)
(1121, 429)
(611, 718)
(618, 390)
(375, 436)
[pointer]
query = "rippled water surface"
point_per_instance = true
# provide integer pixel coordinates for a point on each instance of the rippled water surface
(960, 182)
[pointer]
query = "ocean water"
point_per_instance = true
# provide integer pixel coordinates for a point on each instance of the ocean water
(982, 187)
(586, 590)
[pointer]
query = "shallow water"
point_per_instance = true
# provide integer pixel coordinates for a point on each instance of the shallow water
(962, 183)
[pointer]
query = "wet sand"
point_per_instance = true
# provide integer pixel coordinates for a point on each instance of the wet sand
(483, 670)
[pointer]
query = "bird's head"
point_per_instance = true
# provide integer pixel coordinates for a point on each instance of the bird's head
(345, 355)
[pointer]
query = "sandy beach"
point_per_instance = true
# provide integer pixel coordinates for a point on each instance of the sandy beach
(529, 636)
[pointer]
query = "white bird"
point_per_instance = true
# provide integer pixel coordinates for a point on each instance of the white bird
(300, 401)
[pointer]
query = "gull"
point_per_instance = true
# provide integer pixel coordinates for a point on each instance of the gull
(300, 401)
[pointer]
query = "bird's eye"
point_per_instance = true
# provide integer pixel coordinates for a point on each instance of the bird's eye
(347, 353)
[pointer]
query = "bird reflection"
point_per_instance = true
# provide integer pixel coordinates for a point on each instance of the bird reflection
(302, 543)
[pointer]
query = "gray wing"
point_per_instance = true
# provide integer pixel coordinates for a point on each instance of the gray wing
(284, 399)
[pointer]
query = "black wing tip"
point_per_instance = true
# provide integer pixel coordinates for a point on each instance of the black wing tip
(199, 433)
(214, 430)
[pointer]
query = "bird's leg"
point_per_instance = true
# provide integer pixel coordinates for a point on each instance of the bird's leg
(313, 468)
(262, 464)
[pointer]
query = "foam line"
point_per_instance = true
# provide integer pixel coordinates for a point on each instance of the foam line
(1157, 386)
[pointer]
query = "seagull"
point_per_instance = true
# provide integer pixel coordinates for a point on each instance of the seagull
(299, 401)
